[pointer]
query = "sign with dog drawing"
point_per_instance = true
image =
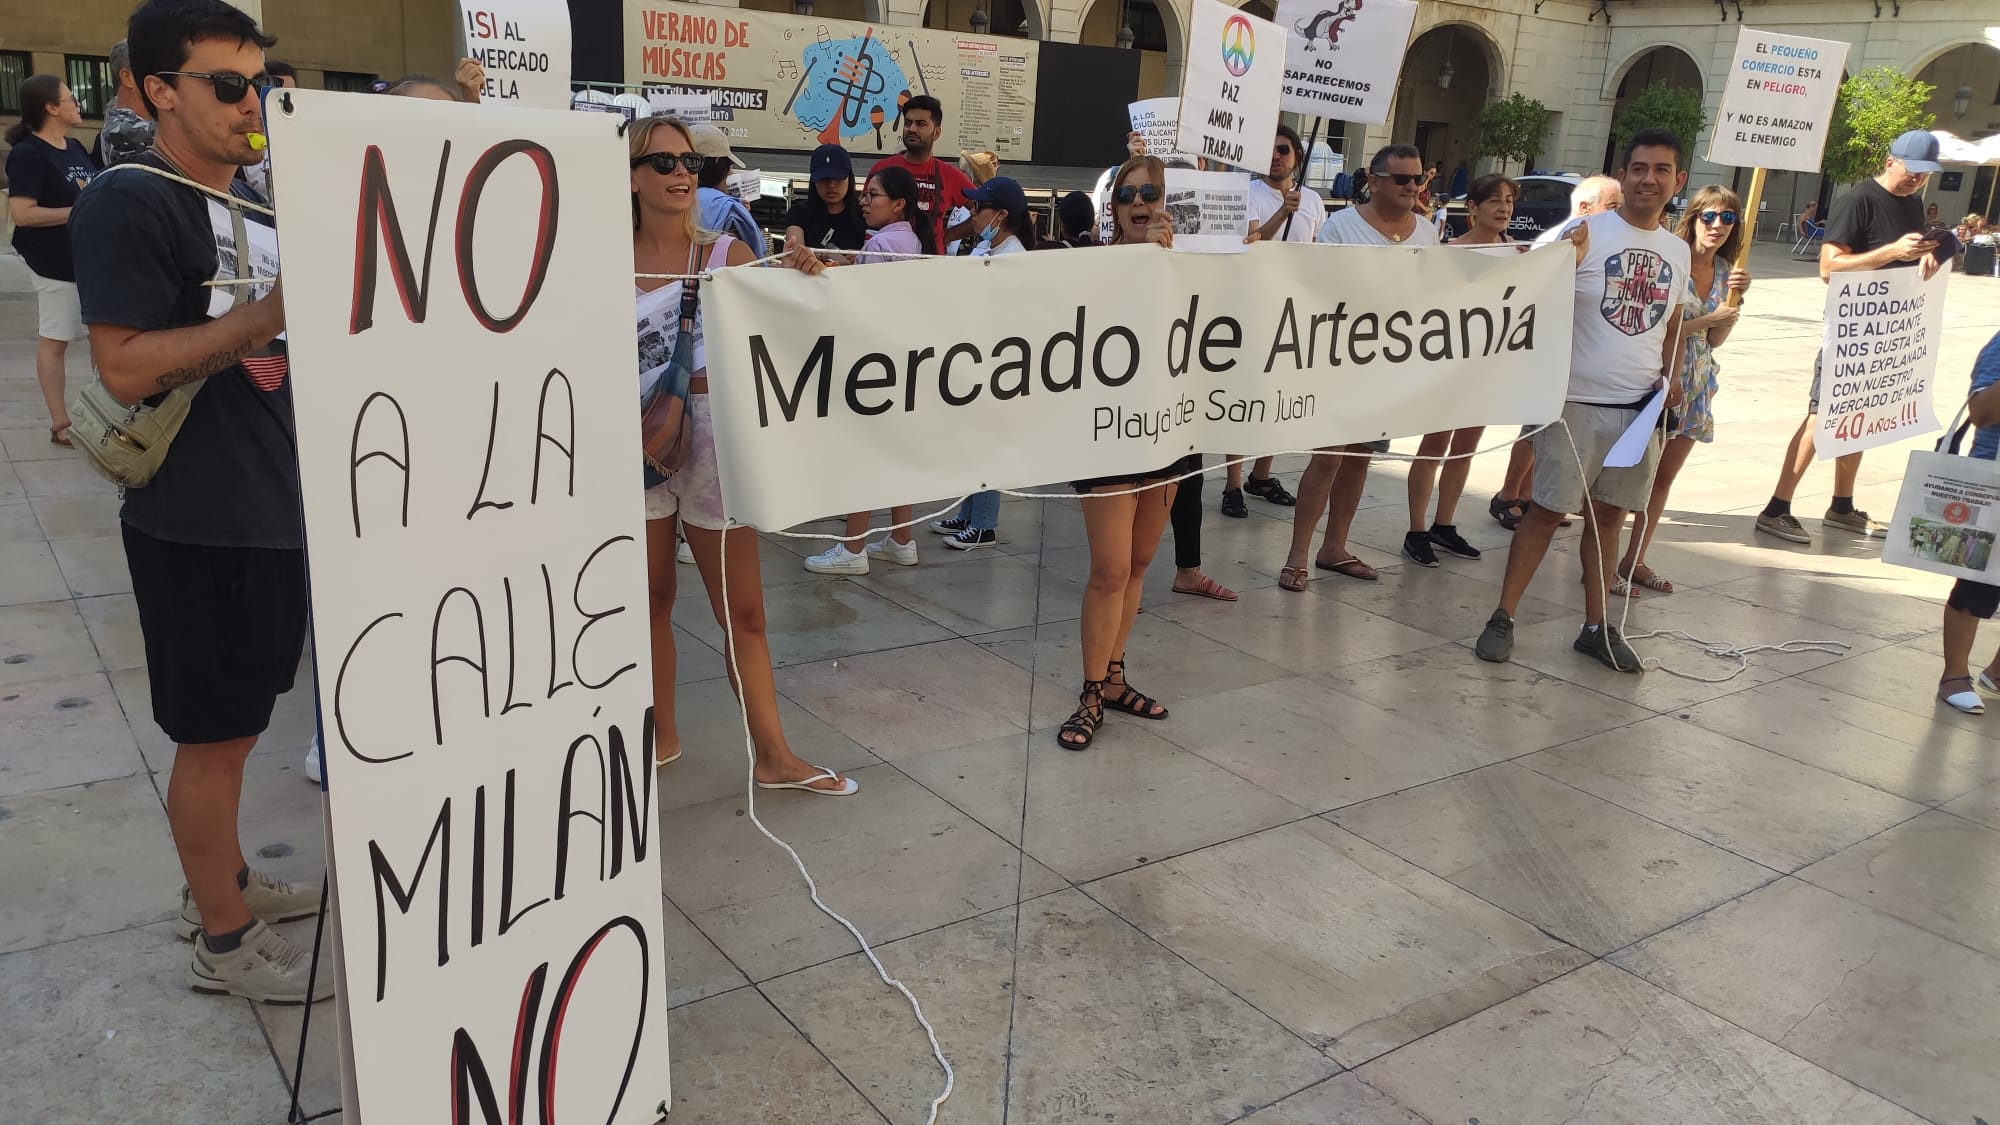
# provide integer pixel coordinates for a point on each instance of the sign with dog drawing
(1344, 56)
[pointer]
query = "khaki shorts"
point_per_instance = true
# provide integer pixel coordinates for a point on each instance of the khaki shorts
(694, 493)
(60, 313)
(1560, 486)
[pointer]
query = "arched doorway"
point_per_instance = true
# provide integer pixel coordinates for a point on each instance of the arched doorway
(1156, 34)
(1966, 102)
(1670, 66)
(1448, 75)
(1020, 19)
(1262, 9)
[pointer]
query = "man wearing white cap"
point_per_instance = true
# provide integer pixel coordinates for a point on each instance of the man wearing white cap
(719, 209)
(1878, 224)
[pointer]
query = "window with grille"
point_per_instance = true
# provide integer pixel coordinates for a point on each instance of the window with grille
(348, 81)
(15, 66)
(90, 78)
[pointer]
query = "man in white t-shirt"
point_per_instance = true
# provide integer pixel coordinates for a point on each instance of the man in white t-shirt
(1631, 274)
(1281, 210)
(1333, 483)
(1591, 195)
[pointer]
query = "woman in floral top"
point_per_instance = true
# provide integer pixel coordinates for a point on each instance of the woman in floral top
(1714, 235)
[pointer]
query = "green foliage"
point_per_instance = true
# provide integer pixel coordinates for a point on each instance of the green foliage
(1660, 106)
(1512, 128)
(1875, 107)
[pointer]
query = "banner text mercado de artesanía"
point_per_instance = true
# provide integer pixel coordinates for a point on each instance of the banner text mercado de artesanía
(961, 374)
(797, 82)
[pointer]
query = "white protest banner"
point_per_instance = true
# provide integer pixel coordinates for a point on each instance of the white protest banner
(1157, 120)
(1211, 210)
(466, 382)
(692, 107)
(1877, 359)
(523, 45)
(1113, 360)
(1947, 517)
(1344, 56)
(1229, 97)
(1777, 101)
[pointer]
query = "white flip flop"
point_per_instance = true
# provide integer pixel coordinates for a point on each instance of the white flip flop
(806, 784)
(658, 762)
(1967, 701)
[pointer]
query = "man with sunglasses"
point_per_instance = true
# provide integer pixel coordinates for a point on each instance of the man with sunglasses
(1334, 481)
(215, 541)
(1877, 224)
(1631, 278)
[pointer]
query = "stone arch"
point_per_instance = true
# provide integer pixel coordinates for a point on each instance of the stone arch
(956, 15)
(1438, 117)
(1938, 50)
(1093, 17)
(1687, 64)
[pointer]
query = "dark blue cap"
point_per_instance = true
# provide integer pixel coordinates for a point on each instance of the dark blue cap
(830, 162)
(1000, 192)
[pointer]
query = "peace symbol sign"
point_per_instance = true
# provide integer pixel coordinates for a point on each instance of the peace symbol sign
(1239, 45)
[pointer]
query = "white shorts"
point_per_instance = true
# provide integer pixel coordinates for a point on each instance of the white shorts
(1560, 486)
(60, 312)
(694, 493)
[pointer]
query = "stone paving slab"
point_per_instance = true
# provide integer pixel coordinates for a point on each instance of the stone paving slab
(1523, 893)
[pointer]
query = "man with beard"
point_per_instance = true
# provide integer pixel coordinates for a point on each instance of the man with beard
(941, 187)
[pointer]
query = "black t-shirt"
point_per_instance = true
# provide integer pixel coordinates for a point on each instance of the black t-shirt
(51, 177)
(1870, 217)
(845, 231)
(144, 246)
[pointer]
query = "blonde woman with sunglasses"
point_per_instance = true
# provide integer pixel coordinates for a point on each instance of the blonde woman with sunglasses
(1713, 228)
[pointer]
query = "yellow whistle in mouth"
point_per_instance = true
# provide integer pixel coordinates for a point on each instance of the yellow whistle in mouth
(257, 142)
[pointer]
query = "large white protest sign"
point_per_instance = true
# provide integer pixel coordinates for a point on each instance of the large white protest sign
(1109, 361)
(523, 45)
(1229, 96)
(1777, 101)
(1344, 56)
(1877, 359)
(465, 375)
(1157, 121)
(1211, 210)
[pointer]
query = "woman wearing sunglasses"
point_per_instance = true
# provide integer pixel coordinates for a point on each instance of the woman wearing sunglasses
(891, 206)
(1490, 202)
(1123, 516)
(1714, 233)
(667, 239)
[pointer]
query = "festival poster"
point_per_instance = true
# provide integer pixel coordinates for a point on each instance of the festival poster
(1229, 96)
(524, 47)
(1878, 359)
(779, 81)
(1344, 57)
(1210, 210)
(466, 381)
(1777, 102)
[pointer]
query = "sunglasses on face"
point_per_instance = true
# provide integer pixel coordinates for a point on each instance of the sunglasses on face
(665, 162)
(1149, 193)
(1710, 218)
(229, 88)
(1402, 179)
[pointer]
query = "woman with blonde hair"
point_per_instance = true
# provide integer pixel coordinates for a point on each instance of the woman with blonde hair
(1713, 228)
(1123, 516)
(667, 239)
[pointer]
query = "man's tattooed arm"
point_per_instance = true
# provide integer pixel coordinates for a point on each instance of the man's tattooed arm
(203, 368)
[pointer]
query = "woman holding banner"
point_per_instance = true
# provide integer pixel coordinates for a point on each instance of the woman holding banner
(1714, 233)
(1123, 516)
(667, 239)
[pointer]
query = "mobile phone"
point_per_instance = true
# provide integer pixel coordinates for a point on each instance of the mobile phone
(1947, 242)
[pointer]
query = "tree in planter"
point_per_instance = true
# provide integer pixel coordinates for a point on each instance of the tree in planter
(1660, 106)
(1512, 129)
(1875, 107)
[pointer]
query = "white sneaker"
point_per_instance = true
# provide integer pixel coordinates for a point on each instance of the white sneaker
(268, 899)
(313, 760)
(684, 553)
(888, 550)
(837, 559)
(265, 968)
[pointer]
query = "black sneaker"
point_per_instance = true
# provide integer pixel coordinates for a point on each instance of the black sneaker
(1496, 643)
(950, 525)
(1446, 535)
(1271, 490)
(1233, 505)
(971, 538)
(1417, 549)
(1608, 647)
